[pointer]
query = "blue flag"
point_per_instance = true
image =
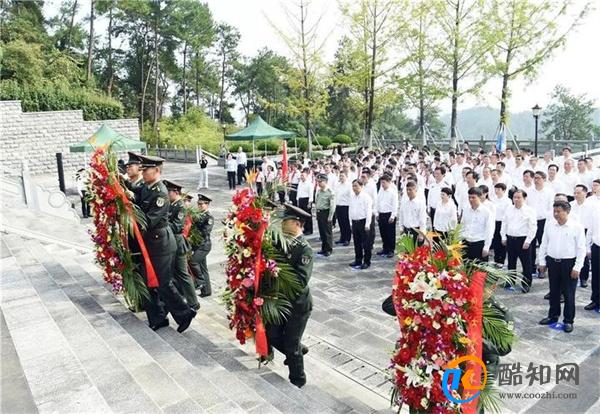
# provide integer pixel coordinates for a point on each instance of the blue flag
(501, 139)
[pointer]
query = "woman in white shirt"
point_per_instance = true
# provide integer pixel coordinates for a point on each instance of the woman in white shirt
(446, 217)
(231, 166)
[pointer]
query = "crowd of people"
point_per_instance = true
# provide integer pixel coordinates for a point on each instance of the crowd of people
(511, 207)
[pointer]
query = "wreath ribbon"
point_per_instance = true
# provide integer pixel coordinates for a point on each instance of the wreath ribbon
(260, 335)
(475, 334)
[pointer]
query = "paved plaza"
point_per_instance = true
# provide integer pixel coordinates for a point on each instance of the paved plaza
(51, 291)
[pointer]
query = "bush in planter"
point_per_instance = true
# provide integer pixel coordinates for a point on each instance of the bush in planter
(342, 139)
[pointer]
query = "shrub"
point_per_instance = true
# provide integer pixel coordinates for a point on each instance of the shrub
(324, 142)
(342, 139)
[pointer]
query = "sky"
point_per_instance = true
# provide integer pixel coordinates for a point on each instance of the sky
(577, 66)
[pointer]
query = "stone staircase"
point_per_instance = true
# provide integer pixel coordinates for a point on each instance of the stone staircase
(70, 345)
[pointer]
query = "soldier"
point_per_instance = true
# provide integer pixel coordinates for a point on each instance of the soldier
(198, 261)
(325, 206)
(181, 277)
(160, 242)
(134, 173)
(286, 337)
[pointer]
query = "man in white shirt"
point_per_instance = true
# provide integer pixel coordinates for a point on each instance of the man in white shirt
(518, 231)
(517, 172)
(593, 251)
(554, 182)
(569, 177)
(387, 208)
(501, 202)
(343, 191)
(361, 217)
(433, 196)
(370, 188)
(413, 213)
(581, 210)
(293, 180)
(242, 160)
(583, 176)
(540, 198)
(305, 198)
(562, 251)
(478, 227)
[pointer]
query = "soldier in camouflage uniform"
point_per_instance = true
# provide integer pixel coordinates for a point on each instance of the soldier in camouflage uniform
(152, 199)
(181, 278)
(287, 336)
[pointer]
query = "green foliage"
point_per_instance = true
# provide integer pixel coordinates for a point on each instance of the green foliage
(324, 142)
(22, 62)
(50, 97)
(569, 116)
(342, 139)
(300, 143)
(187, 131)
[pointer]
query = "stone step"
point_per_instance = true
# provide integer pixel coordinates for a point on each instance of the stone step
(225, 353)
(56, 377)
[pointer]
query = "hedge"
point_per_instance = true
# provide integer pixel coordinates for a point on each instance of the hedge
(50, 97)
(342, 139)
(324, 142)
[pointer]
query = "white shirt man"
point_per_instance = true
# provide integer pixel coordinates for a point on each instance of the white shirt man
(241, 158)
(540, 198)
(519, 222)
(433, 196)
(478, 226)
(387, 200)
(413, 213)
(305, 189)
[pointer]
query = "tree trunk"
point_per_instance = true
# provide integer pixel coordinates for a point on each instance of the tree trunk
(305, 91)
(110, 53)
(184, 78)
(157, 70)
(222, 92)
(372, 79)
(421, 132)
(454, 115)
(88, 75)
(504, 99)
(71, 24)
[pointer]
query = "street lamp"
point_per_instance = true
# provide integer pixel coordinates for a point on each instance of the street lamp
(536, 115)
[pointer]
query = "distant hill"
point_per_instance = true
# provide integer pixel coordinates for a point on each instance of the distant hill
(477, 121)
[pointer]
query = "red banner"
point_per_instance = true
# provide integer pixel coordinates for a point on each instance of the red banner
(284, 164)
(187, 226)
(475, 331)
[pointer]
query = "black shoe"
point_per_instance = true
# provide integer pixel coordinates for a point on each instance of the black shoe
(547, 296)
(591, 306)
(390, 255)
(299, 383)
(186, 324)
(326, 254)
(365, 266)
(205, 294)
(354, 264)
(339, 242)
(525, 288)
(346, 244)
(583, 284)
(381, 253)
(548, 321)
(162, 324)
(196, 307)
(568, 327)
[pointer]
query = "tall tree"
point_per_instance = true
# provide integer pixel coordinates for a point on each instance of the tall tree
(69, 35)
(464, 24)
(376, 28)
(308, 96)
(227, 39)
(525, 33)
(90, 53)
(569, 116)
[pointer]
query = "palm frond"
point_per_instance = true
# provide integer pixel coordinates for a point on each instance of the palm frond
(496, 329)
(495, 276)
(406, 244)
(275, 310)
(488, 399)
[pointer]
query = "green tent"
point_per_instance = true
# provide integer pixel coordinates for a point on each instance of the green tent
(258, 129)
(105, 135)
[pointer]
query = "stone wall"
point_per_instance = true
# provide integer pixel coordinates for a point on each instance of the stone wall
(38, 136)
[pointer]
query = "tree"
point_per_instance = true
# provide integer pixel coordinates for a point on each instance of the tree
(422, 80)
(23, 20)
(69, 35)
(307, 94)
(228, 38)
(525, 34)
(88, 74)
(376, 26)
(569, 117)
(464, 24)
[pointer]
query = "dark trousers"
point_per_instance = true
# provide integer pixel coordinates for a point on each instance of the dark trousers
(432, 214)
(559, 276)
(200, 270)
(183, 280)
(259, 188)
(165, 298)
(387, 231)
(286, 339)
(293, 194)
(585, 270)
(514, 247)
(231, 179)
(362, 242)
(281, 195)
(499, 249)
(308, 225)
(595, 274)
(537, 241)
(325, 231)
(241, 174)
(85, 206)
(474, 250)
(342, 217)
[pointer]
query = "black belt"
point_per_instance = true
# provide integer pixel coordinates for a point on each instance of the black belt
(515, 237)
(326, 209)
(560, 260)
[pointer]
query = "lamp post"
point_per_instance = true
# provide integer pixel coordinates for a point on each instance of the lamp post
(536, 115)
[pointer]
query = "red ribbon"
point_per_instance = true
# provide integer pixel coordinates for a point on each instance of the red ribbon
(260, 336)
(187, 226)
(475, 334)
(284, 164)
(152, 280)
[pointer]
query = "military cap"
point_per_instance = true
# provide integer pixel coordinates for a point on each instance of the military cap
(322, 177)
(188, 197)
(202, 197)
(149, 161)
(294, 213)
(134, 159)
(172, 186)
